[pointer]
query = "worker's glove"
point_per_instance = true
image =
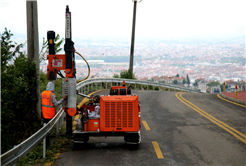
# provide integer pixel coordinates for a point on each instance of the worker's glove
(65, 97)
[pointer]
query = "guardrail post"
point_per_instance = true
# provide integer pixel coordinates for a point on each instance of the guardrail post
(111, 84)
(153, 88)
(57, 125)
(63, 115)
(60, 123)
(142, 87)
(106, 85)
(101, 85)
(57, 128)
(51, 133)
(44, 145)
(15, 163)
(92, 86)
(96, 86)
(135, 86)
(147, 87)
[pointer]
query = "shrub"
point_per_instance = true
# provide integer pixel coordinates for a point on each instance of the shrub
(19, 118)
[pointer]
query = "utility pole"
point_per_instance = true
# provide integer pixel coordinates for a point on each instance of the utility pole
(32, 40)
(133, 35)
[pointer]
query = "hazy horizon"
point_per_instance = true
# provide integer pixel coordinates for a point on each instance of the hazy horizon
(209, 21)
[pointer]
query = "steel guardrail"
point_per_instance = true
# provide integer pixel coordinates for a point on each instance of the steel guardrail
(19, 151)
(132, 81)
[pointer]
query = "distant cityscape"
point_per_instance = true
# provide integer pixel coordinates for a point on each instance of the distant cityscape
(211, 61)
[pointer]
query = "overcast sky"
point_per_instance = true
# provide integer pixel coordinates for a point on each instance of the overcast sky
(155, 18)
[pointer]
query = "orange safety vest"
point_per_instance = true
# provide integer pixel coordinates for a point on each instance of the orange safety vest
(48, 108)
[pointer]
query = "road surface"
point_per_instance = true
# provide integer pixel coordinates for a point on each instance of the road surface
(177, 129)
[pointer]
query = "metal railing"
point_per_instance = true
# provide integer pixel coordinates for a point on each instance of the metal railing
(19, 151)
(95, 81)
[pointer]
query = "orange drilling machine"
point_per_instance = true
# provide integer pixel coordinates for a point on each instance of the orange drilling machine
(116, 114)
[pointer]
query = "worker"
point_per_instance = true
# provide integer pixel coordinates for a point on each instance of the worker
(49, 104)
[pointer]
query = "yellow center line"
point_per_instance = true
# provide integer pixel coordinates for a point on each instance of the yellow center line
(145, 125)
(140, 91)
(157, 150)
(230, 101)
(212, 119)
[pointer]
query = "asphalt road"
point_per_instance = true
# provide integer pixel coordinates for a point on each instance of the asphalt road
(212, 133)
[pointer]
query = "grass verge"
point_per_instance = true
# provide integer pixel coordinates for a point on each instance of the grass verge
(35, 157)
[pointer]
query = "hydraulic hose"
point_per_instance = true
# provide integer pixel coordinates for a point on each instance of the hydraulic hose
(87, 66)
(85, 100)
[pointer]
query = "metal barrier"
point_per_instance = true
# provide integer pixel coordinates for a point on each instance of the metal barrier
(19, 151)
(81, 86)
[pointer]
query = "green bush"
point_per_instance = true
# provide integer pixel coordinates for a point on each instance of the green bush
(19, 118)
(127, 74)
(156, 88)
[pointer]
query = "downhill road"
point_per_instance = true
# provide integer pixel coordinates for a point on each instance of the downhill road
(177, 129)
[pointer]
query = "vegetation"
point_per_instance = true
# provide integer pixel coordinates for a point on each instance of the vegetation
(195, 83)
(213, 83)
(188, 80)
(184, 81)
(125, 74)
(19, 96)
(175, 82)
(19, 118)
(35, 157)
(116, 76)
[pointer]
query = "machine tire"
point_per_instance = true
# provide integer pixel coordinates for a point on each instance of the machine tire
(125, 138)
(85, 138)
(133, 146)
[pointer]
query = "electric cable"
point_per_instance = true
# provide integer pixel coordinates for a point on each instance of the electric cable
(87, 66)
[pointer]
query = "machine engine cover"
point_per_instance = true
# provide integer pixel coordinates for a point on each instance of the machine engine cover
(119, 114)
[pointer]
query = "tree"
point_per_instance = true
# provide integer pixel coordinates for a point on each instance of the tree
(213, 83)
(44, 49)
(127, 74)
(19, 118)
(177, 75)
(175, 82)
(188, 80)
(195, 83)
(184, 81)
(116, 76)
